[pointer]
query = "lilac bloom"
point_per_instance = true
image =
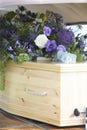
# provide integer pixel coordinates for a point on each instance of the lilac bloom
(50, 45)
(61, 48)
(47, 30)
(65, 37)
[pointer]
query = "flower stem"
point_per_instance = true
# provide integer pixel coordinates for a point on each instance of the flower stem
(2, 76)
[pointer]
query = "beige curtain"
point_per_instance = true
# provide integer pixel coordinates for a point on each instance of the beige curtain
(73, 12)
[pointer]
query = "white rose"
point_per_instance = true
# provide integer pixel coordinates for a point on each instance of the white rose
(41, 40)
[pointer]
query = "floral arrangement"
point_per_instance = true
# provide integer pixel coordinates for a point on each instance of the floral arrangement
(26, 35)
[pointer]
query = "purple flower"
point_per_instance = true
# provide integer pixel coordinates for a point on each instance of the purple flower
(10, 48)
(81, 44)
(50, 45)
(4, 32)
(47, 30)
(30, 48)
(61, 48)
(17, 44)
(56, 30)
(65, 37)
(14, 37)
(25, 43)
(11, 56)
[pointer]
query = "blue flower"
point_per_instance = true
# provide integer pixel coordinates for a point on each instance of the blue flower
(61, 48)
(65, 37)
(11, 56)
(50, 45)
(10, 48)
(29, 50)
(17, 44)
(14, 37)
(47, 30)
(81, 44)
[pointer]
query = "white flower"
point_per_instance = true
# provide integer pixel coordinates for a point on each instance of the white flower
(41, 40)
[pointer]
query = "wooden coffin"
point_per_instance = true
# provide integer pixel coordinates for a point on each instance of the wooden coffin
(46, 92)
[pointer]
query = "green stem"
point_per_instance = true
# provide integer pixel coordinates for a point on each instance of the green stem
(2, 75)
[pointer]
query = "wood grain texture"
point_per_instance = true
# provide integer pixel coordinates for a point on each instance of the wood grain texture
(46, 92)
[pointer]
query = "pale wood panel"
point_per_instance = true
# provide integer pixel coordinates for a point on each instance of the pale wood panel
(24, 92)
(30, 91)
(52, 66)
(73, 95)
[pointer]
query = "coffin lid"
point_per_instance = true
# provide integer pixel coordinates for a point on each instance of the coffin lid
(72, 11)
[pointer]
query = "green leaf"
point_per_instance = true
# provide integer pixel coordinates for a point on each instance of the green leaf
(21, 58)
(2, 75)
(9, 15)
